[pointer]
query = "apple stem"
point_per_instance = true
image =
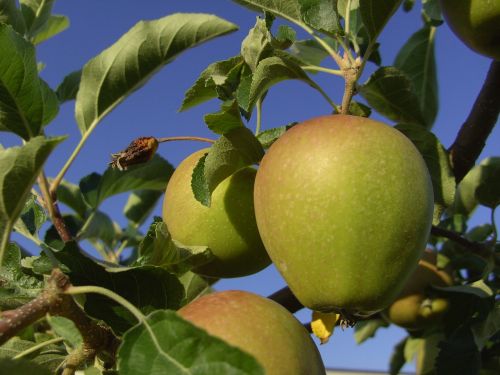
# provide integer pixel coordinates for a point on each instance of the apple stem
(184, 138)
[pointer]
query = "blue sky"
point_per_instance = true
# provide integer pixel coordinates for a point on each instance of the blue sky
(153, 111)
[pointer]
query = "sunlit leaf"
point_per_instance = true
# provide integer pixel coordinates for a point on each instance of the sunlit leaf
(218, 74)
(36, 14)
(166, 343)
(135, 284)
(19, 168)
(17, 288)
(227, 119)
(115, 73)
(55, 24)
(26, 102)
(233, 151)
(159, 249)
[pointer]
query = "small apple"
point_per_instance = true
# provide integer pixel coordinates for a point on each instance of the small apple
(415, 308)
(227, 227)
(260, 327)
(476, 23)
(344, 206)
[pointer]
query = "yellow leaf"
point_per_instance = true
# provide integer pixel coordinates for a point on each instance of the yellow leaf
(323, 324)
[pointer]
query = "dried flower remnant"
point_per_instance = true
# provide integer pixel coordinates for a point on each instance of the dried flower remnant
(139, 151)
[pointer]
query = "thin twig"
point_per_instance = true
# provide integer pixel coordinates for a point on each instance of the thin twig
(477, 127)
(184, 138)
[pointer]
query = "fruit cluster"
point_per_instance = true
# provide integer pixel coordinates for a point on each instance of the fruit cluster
(342, 205)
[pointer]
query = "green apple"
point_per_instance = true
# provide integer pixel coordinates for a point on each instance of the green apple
(476, 23)
(415, 308)
(344, 207)
(227, 227)
(260, 327)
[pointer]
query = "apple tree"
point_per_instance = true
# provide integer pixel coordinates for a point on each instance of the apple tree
(368, 222)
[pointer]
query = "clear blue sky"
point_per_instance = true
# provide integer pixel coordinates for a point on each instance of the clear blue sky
(96, 24)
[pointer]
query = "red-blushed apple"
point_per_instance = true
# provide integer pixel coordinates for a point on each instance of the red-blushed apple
(260, 327)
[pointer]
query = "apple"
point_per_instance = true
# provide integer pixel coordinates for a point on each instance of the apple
(476, 23)
(344, 207)
(260, 327)
(227, 227)
(415, 308)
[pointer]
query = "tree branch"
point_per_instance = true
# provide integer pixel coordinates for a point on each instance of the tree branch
(53, 300)
(477, 127)
(286, 299)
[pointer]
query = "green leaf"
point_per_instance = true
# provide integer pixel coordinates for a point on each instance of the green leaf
(289, 10)
(32, 217)
(36, 14)
(438, 163)
(71, 195)
(49, 357)
(159, 249)
(65, 328)
(99, 226)
(431, 12)
(321, 15)
(257, 45)
(166, 343)
(417, 60)
(217, 75)
(26, 102)
(366, 329)
(21, 366)
(194, 286)
(11, 15)
(465, 197)
(115, 73)
(227, 119)
(55, 24)
(459, 354)
(19, 167)
(376, 14)
(359, 109)
(233, 151)
(485, 329)
(411, 347)
(271, 71)
(488, 190)
(309, 51)
(284, 37)
(477, 289)
(152, 175)
(427, 353)
(398, 360)
(68, 88)
(199, 183)
(148, 288)
(390, 92)
(139, 205)
(17, 288)
(268, 137)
